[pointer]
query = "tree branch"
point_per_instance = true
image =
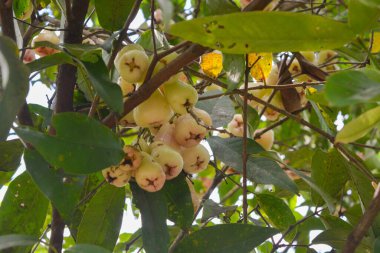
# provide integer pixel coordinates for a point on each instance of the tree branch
(364, 224)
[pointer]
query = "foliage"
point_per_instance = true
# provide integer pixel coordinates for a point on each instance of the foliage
(302, 78)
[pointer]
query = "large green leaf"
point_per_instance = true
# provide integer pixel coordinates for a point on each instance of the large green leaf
(212, 209)
(102, 219)
(154, 212)
(362, 17)
(218, 7)
(234, 66)
(10, 155)
(106, 89)
(353, 86)
(113, 13)
(372, 3)
(329, 172)
(86, 248)
(62, 189)
(359, 127)
(221, 109)
(337, 238)
(14, 85)
(278, 212)
(13, 240)
(225, 238)
(246, 32)
(180, 207)
(22, 7)
(82, 144)
(23, 209)
(49, 60)
(260, 170)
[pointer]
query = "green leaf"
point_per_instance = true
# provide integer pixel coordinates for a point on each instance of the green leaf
(259, 170)
(154, 212)
(113, 13)
(21, 7)
(10, 155)
(272, 32)
(329, 172)
(62, 189)
(49, 60)
(23, 210)
(278, 212)
(106, 89)
(14, 85)
(86, 248)
(234, 65)
(362, 17)
(180, 207)
(102, 219)
(13, 240)
(82, 144)
(212, 209)
(218, 7)
(337, 238)
(146, 40)
(225, 238)
(372, 3)
(353, 86)
(359, 127)
(221, 109)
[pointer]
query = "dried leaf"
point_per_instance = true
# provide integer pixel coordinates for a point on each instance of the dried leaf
(261, 65)
(212, 64)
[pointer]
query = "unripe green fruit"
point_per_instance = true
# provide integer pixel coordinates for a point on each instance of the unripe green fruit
(170, 160)
(195, 159)
(150, 175)
(236, 125)
(181, 96)
(132, 66)
(153, 112)
(188, 133)
(266, 139)
(116, 176)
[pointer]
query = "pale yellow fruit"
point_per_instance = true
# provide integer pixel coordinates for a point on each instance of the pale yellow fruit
(150, 176)
(162, 63)
(166, 136)
(302, 93)
(195, 159)
(309, 55)
(170, 160)
(276, 101)
(266, 140)
(272, 78)
(132, 159)
(132, 66)
(260, 93)
(29, 56)
(295, 67)
(116, 176)
(325, 56)
(45, 36)
(181, 96)
(126, 87)
(188, 132)
(153, 112)
(128, 120)
(236, 125)
(125, 49)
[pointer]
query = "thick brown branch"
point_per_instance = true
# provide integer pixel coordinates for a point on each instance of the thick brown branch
(66, 80)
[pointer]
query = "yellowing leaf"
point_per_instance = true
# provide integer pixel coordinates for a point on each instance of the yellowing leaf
(261, 65)
(212, 64)
(359, 127)
(376, 43)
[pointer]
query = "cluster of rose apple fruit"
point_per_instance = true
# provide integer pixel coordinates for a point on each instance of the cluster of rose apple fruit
(176, 126)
